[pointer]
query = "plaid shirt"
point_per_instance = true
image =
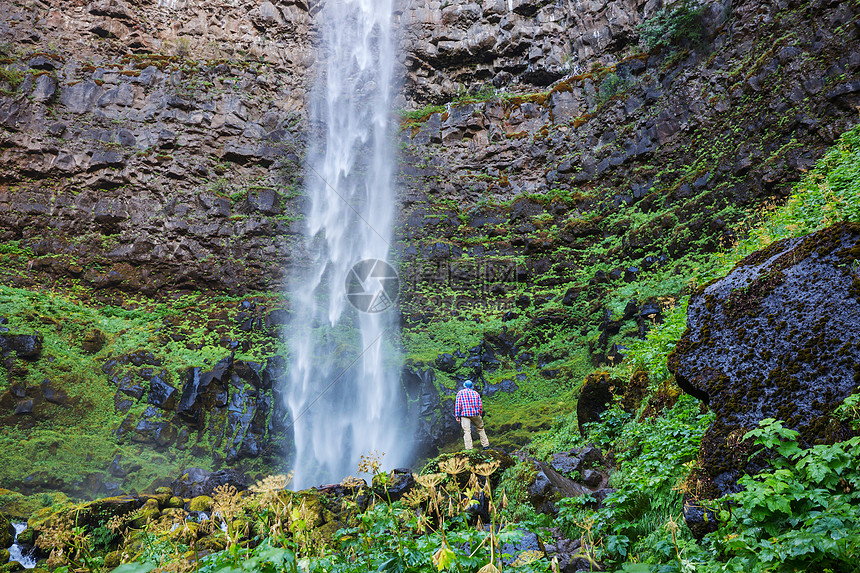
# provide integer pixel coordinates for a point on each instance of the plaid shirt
(468, 404)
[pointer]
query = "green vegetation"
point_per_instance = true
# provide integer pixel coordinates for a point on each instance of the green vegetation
(793, 517)
(78, 339)
(436, 527)
(799, 515)
(676, 23)
(611, 86)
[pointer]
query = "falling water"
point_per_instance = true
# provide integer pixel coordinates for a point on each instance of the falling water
(19, 553)
(342, 395)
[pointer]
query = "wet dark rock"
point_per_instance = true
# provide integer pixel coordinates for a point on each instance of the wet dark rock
(250, 372)
(399, 483)
(616, 353)
(570, 296)
(651, 310)
(196, 481)
(129, 387)
(24, 345)
(24, 406)
(566, 462)
(275, 370)
(700, 519)
(601, 494)
(593, 400)
(592, 478)
(528, 541)
(778, 337)
(446, 362)
(121, 404)
(202, 388)
(276, 320)
(115, 468)
(161, 394)
(53, 395)
(549, 486)
(630, 310)
(504, 342)
(435, 423)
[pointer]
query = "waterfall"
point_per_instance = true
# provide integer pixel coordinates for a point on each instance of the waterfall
(343, 386)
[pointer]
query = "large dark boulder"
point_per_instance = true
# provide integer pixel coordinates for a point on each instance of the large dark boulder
(201, 390)
(161, 394)
(595, 398)
(778, 337)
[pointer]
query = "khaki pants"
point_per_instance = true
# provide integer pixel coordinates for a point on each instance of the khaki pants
(465, 423)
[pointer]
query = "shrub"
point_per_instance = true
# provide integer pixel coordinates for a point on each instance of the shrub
(802, 515)
(674, 25)
(612, 85)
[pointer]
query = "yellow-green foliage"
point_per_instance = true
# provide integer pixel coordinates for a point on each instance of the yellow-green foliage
(71, 440)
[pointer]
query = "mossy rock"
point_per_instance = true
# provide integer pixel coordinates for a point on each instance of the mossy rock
(28, 536)
(11, 567)
(324, 534)
(7, 533)
(212, 543)
(186, 533)
(175, 501)
(149, 512)
(40, 518)
(311, 507)
(93, 341)
(4, 555)
(774, 338)
(161, 498)
(100, 511)
(113, 560)
(201, 503)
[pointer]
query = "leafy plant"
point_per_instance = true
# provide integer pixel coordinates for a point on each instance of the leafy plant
(654, 457)
(800, 515)
(612, 85)
(673, 25)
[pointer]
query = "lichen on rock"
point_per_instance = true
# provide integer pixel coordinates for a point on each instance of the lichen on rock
(778, 337)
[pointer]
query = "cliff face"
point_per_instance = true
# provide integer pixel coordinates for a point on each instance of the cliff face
(454, 47)
(153, 146)
(550, 210)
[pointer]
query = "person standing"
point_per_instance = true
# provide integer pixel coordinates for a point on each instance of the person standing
(470, 410)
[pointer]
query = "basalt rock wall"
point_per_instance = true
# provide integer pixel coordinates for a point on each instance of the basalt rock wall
(151, 146)
(452, 48)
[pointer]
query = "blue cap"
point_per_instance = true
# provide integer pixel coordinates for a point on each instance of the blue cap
(468, 384)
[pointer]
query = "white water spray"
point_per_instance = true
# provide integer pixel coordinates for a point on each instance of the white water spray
(343, 399)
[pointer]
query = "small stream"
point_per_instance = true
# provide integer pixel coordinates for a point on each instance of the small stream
(18, 553)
